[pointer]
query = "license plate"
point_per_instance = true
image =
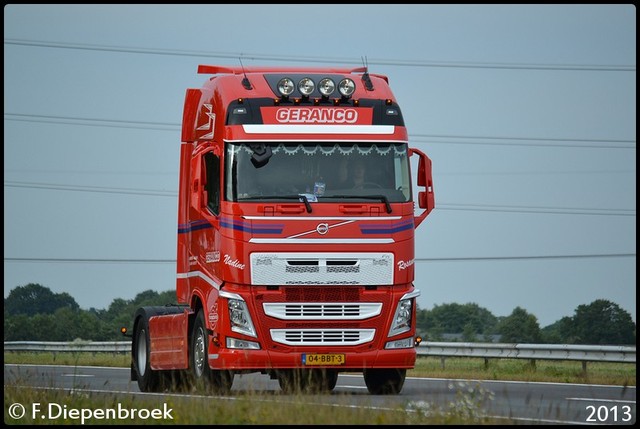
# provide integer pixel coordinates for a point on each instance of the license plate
(323, 359)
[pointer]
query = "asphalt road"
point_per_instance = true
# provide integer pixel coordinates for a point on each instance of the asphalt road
(515, 402)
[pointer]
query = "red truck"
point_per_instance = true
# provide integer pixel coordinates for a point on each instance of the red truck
(296, 222)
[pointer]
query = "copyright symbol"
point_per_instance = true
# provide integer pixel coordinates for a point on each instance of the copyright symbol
(16, 411)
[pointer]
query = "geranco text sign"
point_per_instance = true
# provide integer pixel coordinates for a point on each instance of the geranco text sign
(317, 115)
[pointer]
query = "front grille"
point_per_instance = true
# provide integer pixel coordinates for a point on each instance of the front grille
(322, 310)
(319, 337)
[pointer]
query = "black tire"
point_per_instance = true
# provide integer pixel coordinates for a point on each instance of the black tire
(322, 380)
(176, 380)
(331, 379)
(384, 381)
(204, 378)
(293, 381)
(148, 379)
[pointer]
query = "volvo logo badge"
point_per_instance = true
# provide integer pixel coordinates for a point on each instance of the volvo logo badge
(322, 228)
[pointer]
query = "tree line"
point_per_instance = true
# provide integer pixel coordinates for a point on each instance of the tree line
(601, 322)
(35, 313)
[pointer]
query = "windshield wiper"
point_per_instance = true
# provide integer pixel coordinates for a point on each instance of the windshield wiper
(300, 197)
(382, 198)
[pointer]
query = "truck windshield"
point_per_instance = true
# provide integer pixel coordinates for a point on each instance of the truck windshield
(321, 172)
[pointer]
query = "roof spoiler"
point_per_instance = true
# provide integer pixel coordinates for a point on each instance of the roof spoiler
(207, 69)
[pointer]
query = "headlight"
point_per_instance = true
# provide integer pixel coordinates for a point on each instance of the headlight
(286, 86)
(402, 317)
(239, 318)
(306, 86)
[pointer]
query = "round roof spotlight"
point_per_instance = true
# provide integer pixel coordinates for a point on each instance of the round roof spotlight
(286, 86)
(326, 86)
(346, 87)
(306, 86)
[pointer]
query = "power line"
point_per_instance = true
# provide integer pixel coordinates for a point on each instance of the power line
(453, 206)
(536, 209)
(93, 260)
(316, 59)
(523, 138)
(94, 122)
(427, 138)
(96, 189)
(506, 258)
(459, 259)
(525, 141)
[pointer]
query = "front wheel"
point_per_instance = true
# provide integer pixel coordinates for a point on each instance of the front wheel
(291, 381)
(217, 381)
(323, 380)
(294, 381)
(384, 381)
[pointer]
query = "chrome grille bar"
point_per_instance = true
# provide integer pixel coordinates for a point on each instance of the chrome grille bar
(322, 310)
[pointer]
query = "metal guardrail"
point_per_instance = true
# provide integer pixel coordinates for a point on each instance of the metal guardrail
(584, 353)
(68, 346)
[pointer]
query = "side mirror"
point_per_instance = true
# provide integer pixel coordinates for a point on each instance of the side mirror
(422, 200)
(426, 198)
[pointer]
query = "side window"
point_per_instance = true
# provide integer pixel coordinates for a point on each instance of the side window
(212, 168)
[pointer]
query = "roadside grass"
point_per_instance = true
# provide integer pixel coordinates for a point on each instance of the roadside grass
(557, 371)
(36, 406)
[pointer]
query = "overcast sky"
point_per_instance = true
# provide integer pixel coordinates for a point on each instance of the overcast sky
(528, 113)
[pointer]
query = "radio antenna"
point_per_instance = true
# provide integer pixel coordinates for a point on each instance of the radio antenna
(245, 80)
(368, 85)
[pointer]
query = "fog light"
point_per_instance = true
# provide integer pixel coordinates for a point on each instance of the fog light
(306, 86)
(346, 87)
(326, 86)
(286, 86)
(405, 343)
(236, 343)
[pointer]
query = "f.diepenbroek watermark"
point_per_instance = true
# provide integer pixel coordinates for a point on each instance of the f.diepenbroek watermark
(47, 412)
